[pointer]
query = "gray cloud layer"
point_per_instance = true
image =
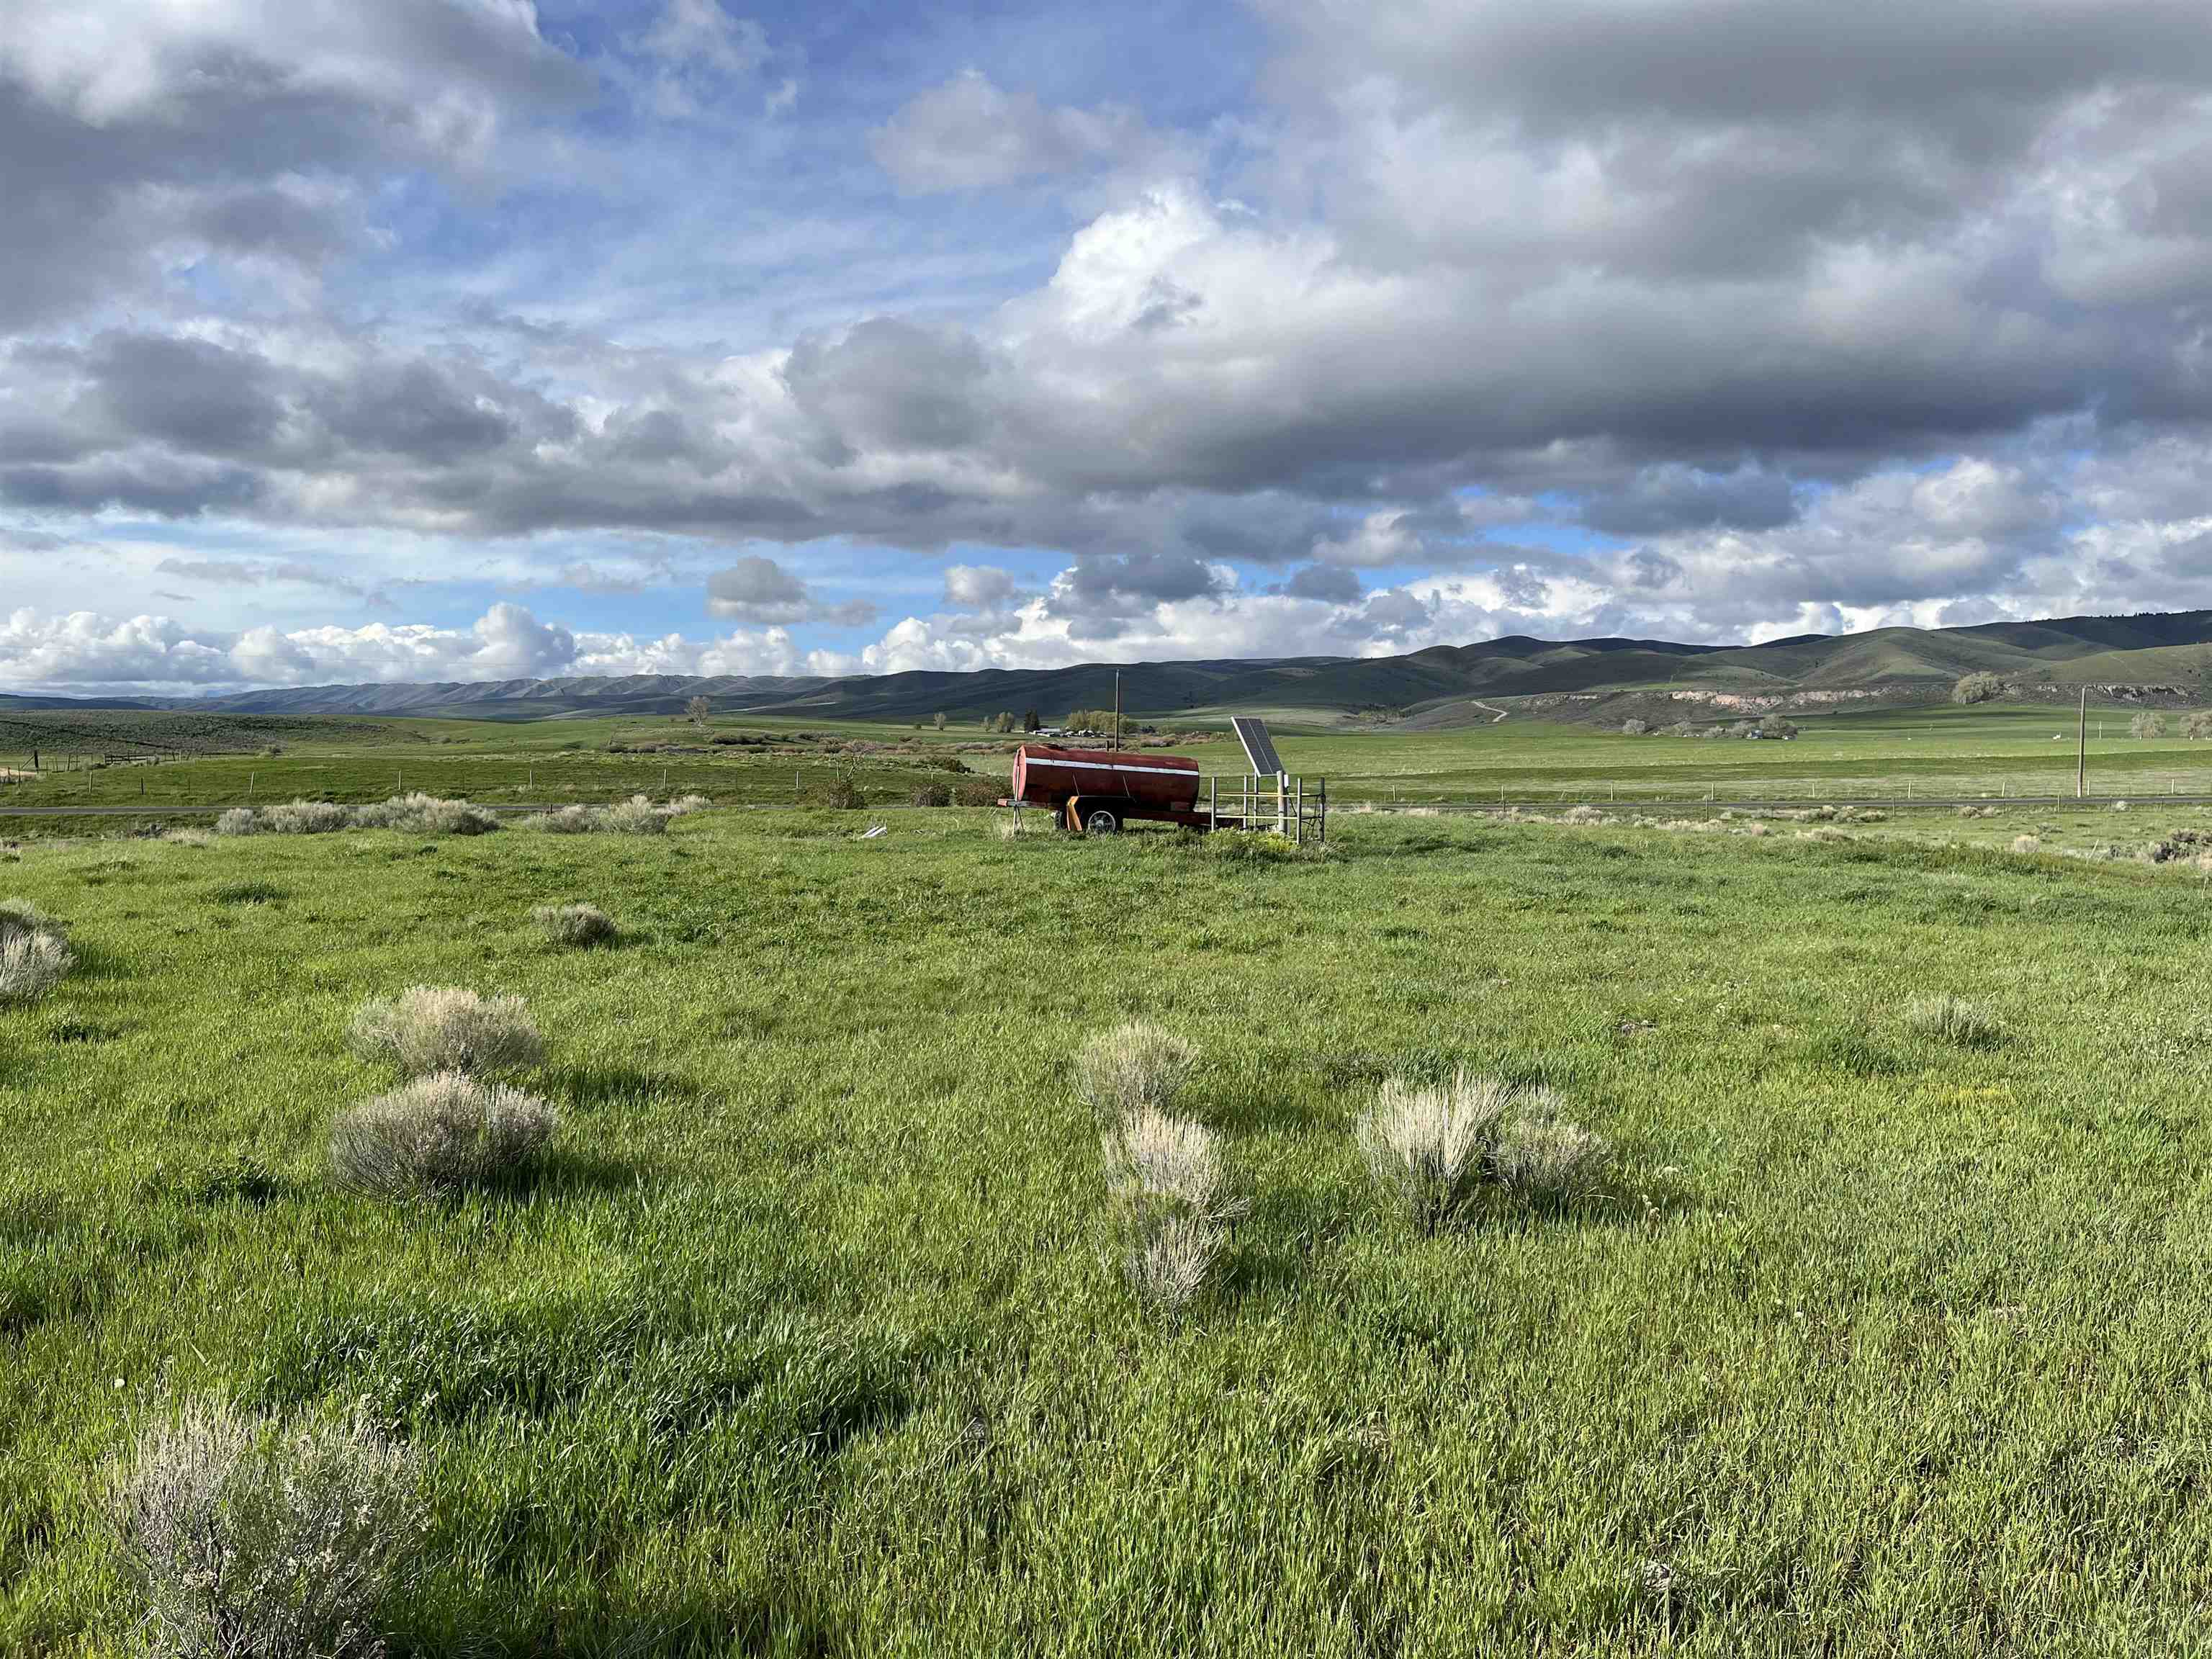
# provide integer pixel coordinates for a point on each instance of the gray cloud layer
(1825, 311)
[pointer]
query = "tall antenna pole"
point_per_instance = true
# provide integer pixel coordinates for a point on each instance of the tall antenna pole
(2081, 751)
(1117, 709)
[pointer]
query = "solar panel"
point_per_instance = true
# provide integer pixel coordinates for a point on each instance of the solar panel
(1259, 747)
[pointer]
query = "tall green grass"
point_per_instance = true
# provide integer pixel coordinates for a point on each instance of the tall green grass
(800, 1338)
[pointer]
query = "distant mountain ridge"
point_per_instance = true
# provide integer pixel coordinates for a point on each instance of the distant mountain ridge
(2161, 650)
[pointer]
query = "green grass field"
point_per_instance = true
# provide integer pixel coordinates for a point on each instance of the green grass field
(1896, 755)
(802, 1342)
(1889, 755)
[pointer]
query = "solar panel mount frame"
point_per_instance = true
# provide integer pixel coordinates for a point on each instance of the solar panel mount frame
(1259, 747)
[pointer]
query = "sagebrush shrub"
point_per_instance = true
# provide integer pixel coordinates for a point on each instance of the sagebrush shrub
(19, 916)
(1542, 1156)
(420, 814)
(1953, 1019)
(438, 1134)
(2027, 844)
(1132, 1068)
(238, 821)
(447, 1028)
(1427, 1147)
(1584, 814)
(637, 816)
(575, 924)
(305, 818)
(32, 965)
(571, 820)
(244, 1540)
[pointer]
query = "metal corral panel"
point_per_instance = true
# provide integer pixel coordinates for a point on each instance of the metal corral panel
(1045, 775)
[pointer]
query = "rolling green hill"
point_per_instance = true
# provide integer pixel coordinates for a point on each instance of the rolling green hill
(2168, 655)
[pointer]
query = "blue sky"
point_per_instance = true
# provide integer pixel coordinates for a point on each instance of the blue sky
(462, 339)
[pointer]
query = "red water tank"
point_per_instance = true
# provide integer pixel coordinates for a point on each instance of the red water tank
(1046, 775)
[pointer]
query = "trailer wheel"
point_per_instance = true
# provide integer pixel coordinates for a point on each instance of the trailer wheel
(1100, 821)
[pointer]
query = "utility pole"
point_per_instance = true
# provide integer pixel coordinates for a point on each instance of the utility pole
(2081, 751)
(1117, 709)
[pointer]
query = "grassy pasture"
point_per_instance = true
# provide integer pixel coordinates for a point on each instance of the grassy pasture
(545, 761)
(1873, 1344)
(1998, 752)
(1935, 751)
(1883, 755)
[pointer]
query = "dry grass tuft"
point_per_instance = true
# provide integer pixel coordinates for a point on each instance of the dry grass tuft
(2025, 844)
(1171, 1204)
(1953, 1019)
(238, 821)
(1168, 1263)
(1134, 1067)
(188, 838)
(246, 1540)
(576, 925)
(447, 1028)
(1584, 814)
(1154, 1159)
(1426, 1148)
(1432, 1150)
(438, 1134)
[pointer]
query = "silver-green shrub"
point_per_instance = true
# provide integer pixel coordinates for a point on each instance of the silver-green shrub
(1543, 1157)
(1134, 1067)
(242, 1539)
(419, 814)
(32, 965)
(571, 820)
(574, 925)
(447, 1028)
(637, 816)
(305, 817)
(438, 1134)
